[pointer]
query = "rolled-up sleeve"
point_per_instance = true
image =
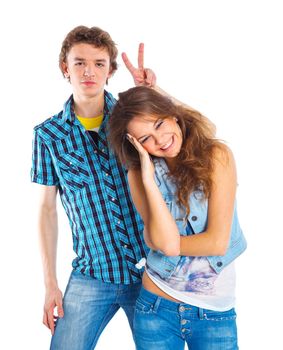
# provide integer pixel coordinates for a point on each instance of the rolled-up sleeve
(42, 170)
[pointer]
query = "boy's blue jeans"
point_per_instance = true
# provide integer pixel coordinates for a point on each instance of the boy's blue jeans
(161, 324)
(89, 305)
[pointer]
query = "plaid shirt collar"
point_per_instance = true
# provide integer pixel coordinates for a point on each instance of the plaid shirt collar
(68, 109)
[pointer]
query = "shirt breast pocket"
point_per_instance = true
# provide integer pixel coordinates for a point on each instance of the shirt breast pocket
(73, 169)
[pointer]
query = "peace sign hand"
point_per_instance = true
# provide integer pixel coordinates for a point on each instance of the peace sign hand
(142, 76)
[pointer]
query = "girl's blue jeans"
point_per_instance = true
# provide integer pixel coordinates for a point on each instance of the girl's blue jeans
(161, 324)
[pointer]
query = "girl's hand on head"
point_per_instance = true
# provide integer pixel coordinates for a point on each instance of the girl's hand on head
(147, 167)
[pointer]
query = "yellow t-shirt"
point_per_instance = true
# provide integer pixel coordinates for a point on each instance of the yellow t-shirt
(92, 124)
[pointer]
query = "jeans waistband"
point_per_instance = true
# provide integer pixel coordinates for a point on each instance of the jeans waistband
(168, 304)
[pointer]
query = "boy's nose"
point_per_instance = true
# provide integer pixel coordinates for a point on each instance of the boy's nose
(88, 72)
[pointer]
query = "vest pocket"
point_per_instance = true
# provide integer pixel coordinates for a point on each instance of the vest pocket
(161, 264)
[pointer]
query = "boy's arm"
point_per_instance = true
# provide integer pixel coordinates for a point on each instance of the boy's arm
(44, 175)
(48, 234)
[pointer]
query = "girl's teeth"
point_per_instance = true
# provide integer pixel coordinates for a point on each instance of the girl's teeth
(167, 145)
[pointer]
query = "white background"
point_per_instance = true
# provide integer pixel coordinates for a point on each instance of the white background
(219, 56)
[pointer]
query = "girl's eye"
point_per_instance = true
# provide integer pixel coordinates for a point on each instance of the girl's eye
(100, 65)
(144, 140)
(159, 123)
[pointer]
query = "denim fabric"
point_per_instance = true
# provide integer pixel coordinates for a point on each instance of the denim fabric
(161, 324)
(165, 265)
(89, 305)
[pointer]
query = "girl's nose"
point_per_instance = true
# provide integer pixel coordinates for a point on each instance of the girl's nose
(158, 139)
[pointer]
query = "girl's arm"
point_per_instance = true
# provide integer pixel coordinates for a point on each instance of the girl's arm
(161, 231)
(215, 239)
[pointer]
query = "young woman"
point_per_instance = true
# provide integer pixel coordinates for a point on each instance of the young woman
(183, 183)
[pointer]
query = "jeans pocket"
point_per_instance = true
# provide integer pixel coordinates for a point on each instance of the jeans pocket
(211, 315)
(143, 306)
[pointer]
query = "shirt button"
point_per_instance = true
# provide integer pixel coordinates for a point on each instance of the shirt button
(219, 264)
(118, 222)
(183, 321)
(113, 199)
(181, 308)
(106, 174)
(126, 246)
(194, 218)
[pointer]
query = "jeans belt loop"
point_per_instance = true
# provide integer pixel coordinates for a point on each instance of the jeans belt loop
(156, 304)
(201, 313)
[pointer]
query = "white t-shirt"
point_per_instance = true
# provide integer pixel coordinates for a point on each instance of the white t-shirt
(195, 282)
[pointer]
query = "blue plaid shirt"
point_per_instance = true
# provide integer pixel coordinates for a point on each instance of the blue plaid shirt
(106, 229)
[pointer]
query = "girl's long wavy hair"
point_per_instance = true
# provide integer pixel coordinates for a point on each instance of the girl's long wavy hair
(194, 163)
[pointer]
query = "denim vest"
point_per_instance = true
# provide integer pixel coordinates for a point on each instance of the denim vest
(165, 265)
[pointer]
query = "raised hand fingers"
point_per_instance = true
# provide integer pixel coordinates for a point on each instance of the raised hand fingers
(128, 63)
(150, 77)
(141, 56)
(142, 76)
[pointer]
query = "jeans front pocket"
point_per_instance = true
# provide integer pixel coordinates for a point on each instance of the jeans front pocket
(211, 315)
(143, 306)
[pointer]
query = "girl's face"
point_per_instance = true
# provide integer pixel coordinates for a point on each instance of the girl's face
(160, 137)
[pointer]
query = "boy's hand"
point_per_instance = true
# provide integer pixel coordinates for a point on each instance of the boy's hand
(142, 76)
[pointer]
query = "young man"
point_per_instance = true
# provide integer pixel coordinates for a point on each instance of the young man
(71, 155)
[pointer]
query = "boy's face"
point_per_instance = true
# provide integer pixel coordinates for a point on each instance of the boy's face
(88, 69)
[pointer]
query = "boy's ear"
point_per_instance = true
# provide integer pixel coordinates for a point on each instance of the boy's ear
(64, 69)
(109, 76)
